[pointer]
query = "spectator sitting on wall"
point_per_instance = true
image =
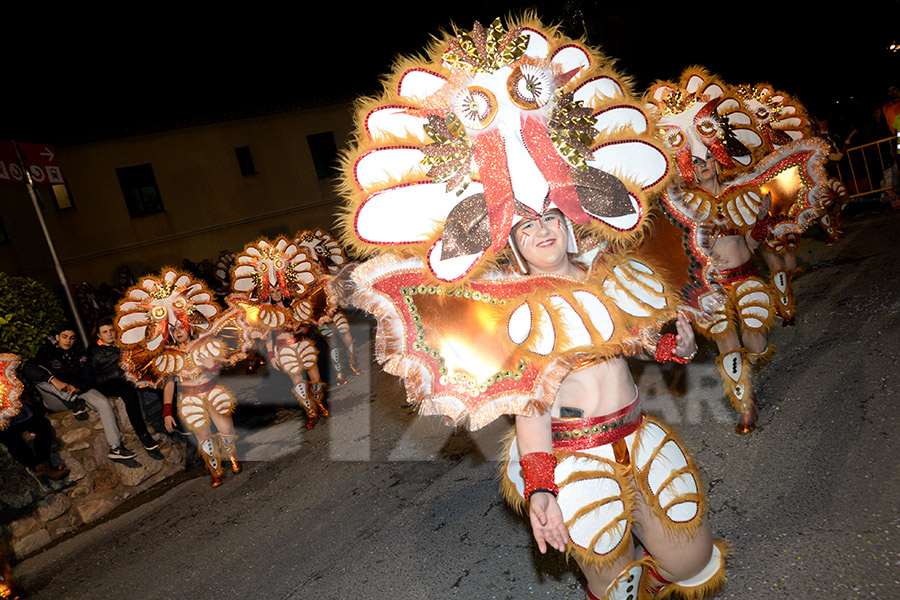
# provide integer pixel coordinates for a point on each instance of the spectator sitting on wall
(104, 374)
(58, 373)
(35, 458)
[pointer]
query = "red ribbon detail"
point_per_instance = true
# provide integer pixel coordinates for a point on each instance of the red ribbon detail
(686, 164)
(490, 154)
(554, 169)
(714, 144)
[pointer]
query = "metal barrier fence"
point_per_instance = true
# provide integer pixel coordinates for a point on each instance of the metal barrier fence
(871, 168)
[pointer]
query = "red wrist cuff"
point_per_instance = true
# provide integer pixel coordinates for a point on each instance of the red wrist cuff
(665, 350)
(167, 410)
(538, 470)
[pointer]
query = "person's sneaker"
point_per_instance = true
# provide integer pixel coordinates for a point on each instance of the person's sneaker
(79, 409)
(120, 452)
(45, 469)
(148, 442)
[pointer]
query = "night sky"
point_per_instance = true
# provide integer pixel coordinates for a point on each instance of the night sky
(76, 77)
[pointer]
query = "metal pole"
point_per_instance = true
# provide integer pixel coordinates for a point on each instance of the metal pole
(29, 185)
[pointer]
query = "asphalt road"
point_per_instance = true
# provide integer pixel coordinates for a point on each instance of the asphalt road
(378, 503)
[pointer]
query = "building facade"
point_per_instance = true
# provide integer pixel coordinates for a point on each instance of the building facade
(155, 199)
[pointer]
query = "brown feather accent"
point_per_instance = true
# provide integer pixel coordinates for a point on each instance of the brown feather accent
(641, 478)
(704, 590)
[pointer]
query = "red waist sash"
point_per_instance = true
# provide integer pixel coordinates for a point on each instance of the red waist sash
(735, 275)
(581, 434)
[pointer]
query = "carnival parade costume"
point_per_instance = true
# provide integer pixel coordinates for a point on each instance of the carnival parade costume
(151, 357)
(271, 281)
(10, 405)
(496, 126)
(10, 389)
(701, 116)
(323, 298)
(801, 191)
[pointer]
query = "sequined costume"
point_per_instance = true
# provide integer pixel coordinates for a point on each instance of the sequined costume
(323, 300)
(498, 125)
(270, 282)
(700, 118)
(149, 317)
(798, 196)
(603, 464)
(10, 389)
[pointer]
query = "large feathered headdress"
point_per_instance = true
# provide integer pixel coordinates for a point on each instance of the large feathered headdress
(149, 312)
(153, 306)
(322, 247)
(779, 117)
(264, 265)
(496, 124)
(698, 115)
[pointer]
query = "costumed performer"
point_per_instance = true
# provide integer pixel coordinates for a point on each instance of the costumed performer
(269, 279)
(505, 124)
(712, 137)
(10, 406)
(323, 297)
(172, 334)
(610, 485)
(10, 389)
(782, 122)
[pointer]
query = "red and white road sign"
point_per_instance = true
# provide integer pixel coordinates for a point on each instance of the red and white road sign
(39, 158)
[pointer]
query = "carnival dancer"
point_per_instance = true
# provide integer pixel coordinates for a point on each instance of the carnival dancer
(10, 389)
(712, 137)
(585, 464)
(10, 406)
(325, 315)
(173, 335)
(17, 417)
(780, 119)
(269, 280)
(783, 122)
(522, 124)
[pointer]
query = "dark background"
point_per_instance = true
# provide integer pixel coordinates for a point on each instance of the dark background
(78, 75)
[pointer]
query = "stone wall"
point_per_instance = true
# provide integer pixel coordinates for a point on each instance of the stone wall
(37, 512)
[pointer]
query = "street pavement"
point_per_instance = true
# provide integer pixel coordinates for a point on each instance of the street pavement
(376, 502)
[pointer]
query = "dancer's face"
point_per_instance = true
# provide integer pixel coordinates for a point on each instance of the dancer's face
(543, 242)
(705, 170)
(180, 333)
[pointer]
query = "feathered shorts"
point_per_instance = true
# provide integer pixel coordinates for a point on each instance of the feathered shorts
(603, 464)
(748, 302)
(196, 403)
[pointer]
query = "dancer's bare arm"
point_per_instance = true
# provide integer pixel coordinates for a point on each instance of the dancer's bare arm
(533, 435)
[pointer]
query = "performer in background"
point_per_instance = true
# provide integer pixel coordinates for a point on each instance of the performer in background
(712, 138)
(322, 298)
(173, 335)
(270, 281)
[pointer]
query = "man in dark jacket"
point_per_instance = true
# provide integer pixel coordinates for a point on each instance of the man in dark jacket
(35, 458)
(58, 372)
(105, 374)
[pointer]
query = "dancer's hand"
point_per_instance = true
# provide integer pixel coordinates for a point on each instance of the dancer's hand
(169, 422)
(685, 341)
(547, 522)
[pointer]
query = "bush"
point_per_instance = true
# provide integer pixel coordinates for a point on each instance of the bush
(28, 314)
